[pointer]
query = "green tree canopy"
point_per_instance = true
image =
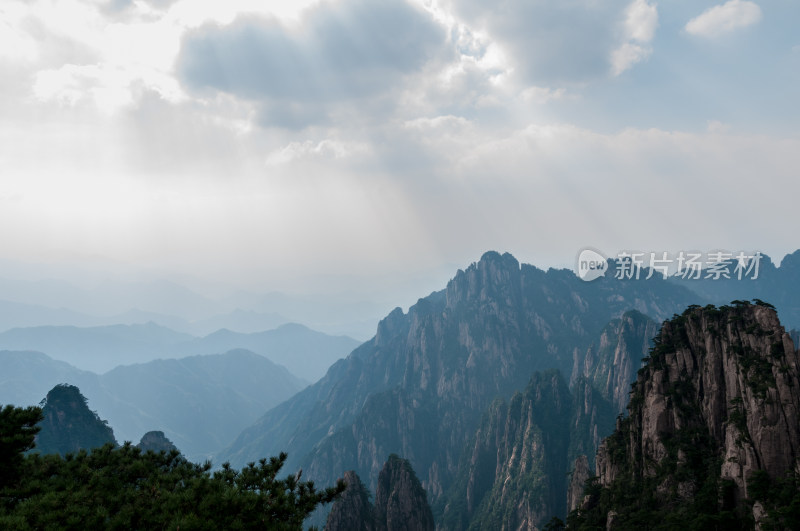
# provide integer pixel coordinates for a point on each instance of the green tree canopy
(125, 488)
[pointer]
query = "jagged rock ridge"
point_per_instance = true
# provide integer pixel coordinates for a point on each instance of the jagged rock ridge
(421, 385)
(400, 502)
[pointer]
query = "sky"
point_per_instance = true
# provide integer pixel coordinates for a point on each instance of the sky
(374, 144)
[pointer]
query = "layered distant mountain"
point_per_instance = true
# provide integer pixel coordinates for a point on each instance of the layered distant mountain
(200, 402)
(96, 349)
(305, 352)
(420, 387)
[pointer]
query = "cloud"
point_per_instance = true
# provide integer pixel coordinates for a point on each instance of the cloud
(641, 21)
(724, 18)
(344, 51)
(550, 43)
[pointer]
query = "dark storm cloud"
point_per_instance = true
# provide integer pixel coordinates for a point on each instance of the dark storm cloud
(550, 42)
(340, 51)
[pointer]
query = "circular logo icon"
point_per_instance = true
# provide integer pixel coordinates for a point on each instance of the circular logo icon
(591, 264)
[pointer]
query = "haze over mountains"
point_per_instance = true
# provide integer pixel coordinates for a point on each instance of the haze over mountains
(35, 295)
(200, 402)
(305, 352)
(506, 360)
(420, 387)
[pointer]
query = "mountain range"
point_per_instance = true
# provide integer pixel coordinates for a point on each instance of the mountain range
(200, 402)
(305, 352)
(420, 387)
(460, 379)
(500, 391)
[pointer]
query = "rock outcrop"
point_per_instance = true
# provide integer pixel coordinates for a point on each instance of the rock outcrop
(400, 502)
(714, 414)
(69, 425)
(155, 441)
(577, 480)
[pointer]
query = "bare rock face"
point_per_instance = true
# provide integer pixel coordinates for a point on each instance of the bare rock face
(717, 404)
(734, 373)
(611, 363)
(400, 502)
(580, 473)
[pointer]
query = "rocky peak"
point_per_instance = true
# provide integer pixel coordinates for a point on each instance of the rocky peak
(716, 405)
(69, 425)
(495, 276)
(155, 441)
(400, 502)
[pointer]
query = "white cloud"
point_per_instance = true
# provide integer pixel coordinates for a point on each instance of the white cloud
(639, 29)
(542, 95)
(724, 18)
(324, 149)
(16, 45)
(109, 87)
(641, 21)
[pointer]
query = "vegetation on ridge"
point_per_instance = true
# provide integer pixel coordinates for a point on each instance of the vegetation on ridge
(125, 488)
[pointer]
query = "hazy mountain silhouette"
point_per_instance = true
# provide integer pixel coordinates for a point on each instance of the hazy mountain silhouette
(200, 402)
(305, 352)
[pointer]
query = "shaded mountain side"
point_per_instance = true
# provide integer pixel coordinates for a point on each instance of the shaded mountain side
(713, 434)
(200, 402)
(400, 502)
(420, 386)
(513, 474)
(611, 363)
(69, 425)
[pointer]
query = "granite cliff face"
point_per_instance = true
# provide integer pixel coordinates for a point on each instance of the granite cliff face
(714, 416)
(512, 475)
(577, 480)
(421, 385)
(611, 363)
(400, 502)
(353, 510)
